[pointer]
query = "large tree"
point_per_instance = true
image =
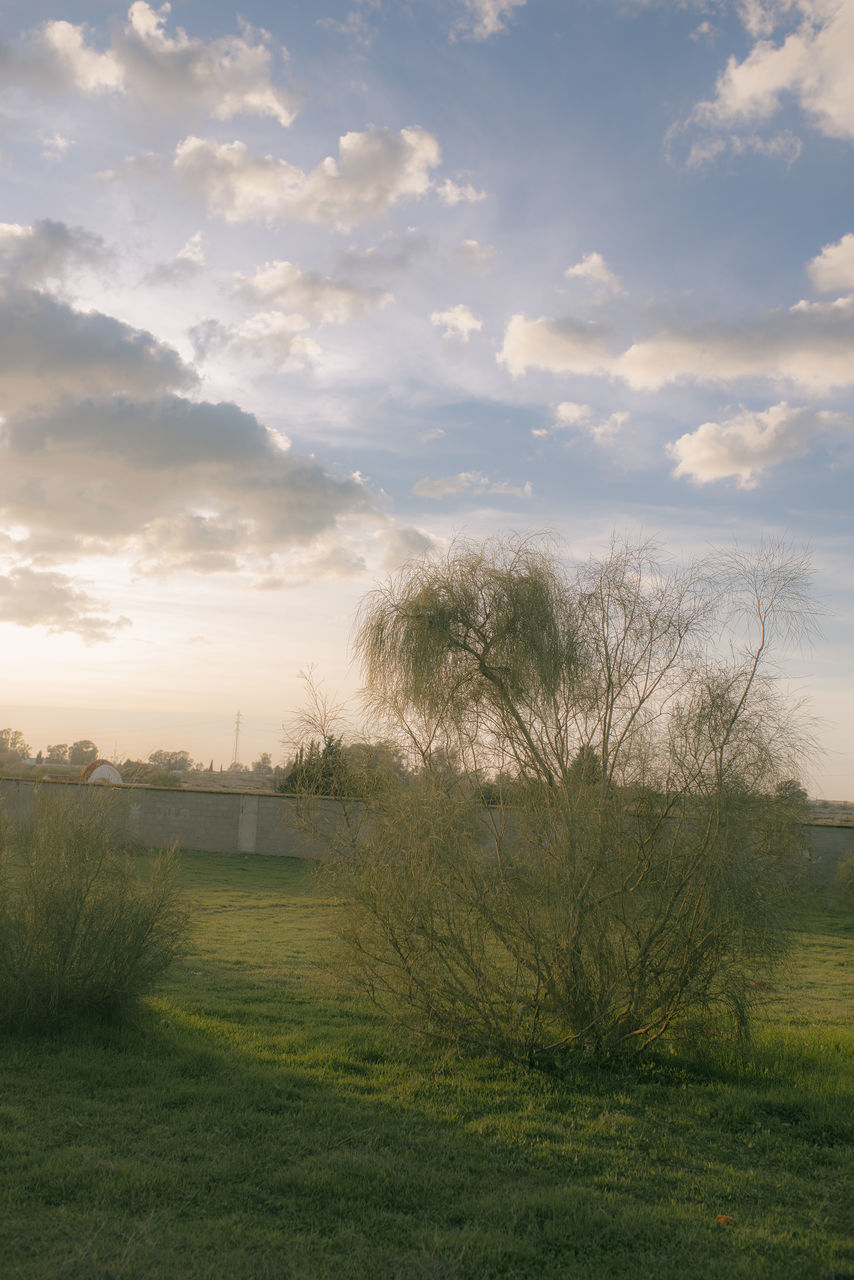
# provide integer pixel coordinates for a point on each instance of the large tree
(12, 745)
(84, 751)
(635, 885)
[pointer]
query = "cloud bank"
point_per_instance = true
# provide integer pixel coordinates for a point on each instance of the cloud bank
(103, 450)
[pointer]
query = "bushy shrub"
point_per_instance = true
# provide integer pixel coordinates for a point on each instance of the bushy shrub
(85, 927)
(163, 778)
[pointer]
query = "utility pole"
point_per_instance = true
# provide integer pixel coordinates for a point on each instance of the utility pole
(235, 758)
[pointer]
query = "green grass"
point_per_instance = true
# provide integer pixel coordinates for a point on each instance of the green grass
(251, 1124)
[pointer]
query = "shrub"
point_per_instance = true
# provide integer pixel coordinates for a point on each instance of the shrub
(84, 929)
(563, 923)
(163, 778)
(636, 884)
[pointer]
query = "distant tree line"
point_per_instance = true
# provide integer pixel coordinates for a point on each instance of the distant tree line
(13, 747)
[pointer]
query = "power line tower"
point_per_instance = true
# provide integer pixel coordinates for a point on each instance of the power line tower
(235, 755)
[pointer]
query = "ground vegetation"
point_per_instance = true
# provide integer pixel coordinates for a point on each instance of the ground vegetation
(251, 1123)
(82, 933)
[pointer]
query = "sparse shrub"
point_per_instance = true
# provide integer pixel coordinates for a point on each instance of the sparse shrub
(636, 883)
(84, 929)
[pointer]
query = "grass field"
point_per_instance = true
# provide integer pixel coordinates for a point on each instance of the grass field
(254, 1125)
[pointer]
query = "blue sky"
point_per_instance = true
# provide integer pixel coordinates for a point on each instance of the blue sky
(292, 293)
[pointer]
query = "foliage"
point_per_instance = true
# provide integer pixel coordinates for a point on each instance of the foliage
(790, 792)
(353, 770)
(173, 761)
(318, 770)
(82, 752)
(57, 753)
(82, 935)
(163, 778)
(263, 765)
(637, 883)
(12, 745)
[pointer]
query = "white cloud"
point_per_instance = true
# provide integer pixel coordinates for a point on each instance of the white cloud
(843, 306)
(274, 337)
(484, 18)
(785, 146)
(594, 270)
(570, 415)
(188, 262)
(811, 348)
(452, 193)
(320, 298)
(704, 31)
(606, 431)
(469, 480)
(812, 63)
(31, 255)
(179, 74)
(227, 77)
(69, 60)
(55, 145)
(374, 170)
(459, 321)
(557, 346)
(745, 445)
(761, 16)
(474, 257)
(34, 598)
(833, 268)
(192, 252)
(810, 345)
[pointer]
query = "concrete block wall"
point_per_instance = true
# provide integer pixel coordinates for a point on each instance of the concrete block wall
(211, 821)
(266, 823)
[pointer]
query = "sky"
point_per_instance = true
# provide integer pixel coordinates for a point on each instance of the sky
(292, 293)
